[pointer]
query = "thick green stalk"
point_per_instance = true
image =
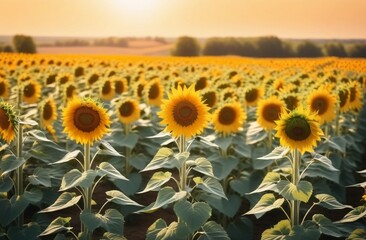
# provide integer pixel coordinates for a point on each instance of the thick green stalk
(88, 190)
(19, 188)
(270, 146)
(183, 170)
(295, 204)
(128, 151)
(337, 122)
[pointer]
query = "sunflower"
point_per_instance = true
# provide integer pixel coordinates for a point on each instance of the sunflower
(69, 91)
(355, 96)
(51, 78)
(120, 85)
(128, 111)
(278, 84)
(31, 91)
(139, 88)
(269, 110)
(92, 78)
(184, 113)
(7, 122)
(343, 99)
(64, 78)
(291, 100)
(209, 97)
(48, 111)
(153, 92)
(107, 90)
(85, 121)
(201, 83)
(4, 88)
(252, 95)
(229, 118)
(324, 103)
(299, 129)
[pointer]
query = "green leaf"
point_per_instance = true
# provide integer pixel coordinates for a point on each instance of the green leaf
(326, 226)
(26, 232)
(122, 140)
(33, 196)
(106, 149)
(224, 142)
(40, 176)
(329, 202)
(247, 182)
(267, 203)
(75, 178)
(156, 181)
(120, 198)
(43, 140)
(175, 231)
(113, 236)
(269, 183)
(280, 231)
(68, 157)
(12, 209)
(65, 200)
(210, 185)
(354, 215)
(9, 163)
(243, 150)
(255, 133)
(194, 215)
(165, 196)
(155, 228)
(301, 192)
(204, 166)
(223, 166)
(105, 168)
(212, 230)
(112, 221)
(162, 159)
(6, 184)
(338, 143)
(229, 207)
(240, 228)
(129, 187)
(357, 234)
(277, 153)
(300, 232)
(57, 225)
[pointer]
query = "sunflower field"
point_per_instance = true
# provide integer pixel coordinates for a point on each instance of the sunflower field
(97, 147)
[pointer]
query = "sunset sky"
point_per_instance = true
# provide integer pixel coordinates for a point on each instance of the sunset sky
(172, 18)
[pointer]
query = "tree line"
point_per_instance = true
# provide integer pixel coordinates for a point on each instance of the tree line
(266, 47)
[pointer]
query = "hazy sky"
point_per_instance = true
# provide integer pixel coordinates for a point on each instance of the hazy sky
(171, 18)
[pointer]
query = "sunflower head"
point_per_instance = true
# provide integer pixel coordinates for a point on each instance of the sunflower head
(93, 78)
(128, 110)
(229, 118)
(4, 88)
(209, 97)
(69, 91)
(64, 78)
(153, 92)
(184, 113)
(299, 129)
(291, 100)
(85, 120)
(343, 99)
(201, 83)
(278, 84)
(107, 90)
(48, 111)
(269, 111)
(355, 96)
(252, 95)
(8, 122)
(323, 103)
(139, 88)
(120, 85)
(31, 90)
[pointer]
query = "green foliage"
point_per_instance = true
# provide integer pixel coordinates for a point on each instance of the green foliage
(308, 49)
(358, 51)
(186, 47)
(335, 50)
(24, 44)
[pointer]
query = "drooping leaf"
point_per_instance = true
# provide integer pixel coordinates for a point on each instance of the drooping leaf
(212, 230)
(267, 203)
(280, 231)
(277, 153)
(175, 231)
(300, 232)
(129, 187)
(357, 234)
(33, 196)
(165, 196)
(40, 176)
(120, 198)
(26, 232)
(105, 168)
(194, 215)
(65, 200)
(269, 183)
(229, 207)
(204, 166)
(255, 133)
(68, 157)
(6, 184)
(329, 202)
(301, 192)
(112, 221)
(9, 163)
(113, 236)
(74, 178)
(156, 181)
(12, 208)
(354, 215)
(155, 228)
(106, 149)
(326, 226)
(224, 142)
(210, 185)
(163, 159)
(56, 226)
(241, 228)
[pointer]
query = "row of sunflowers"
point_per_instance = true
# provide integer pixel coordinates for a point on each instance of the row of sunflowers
(221, 142)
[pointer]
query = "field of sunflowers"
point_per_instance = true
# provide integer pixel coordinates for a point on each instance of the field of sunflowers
(227, 148)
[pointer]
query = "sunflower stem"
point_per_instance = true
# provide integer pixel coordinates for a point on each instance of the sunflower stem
(336, 133)
(295, 204)
(183, 171)
(19, 172)
(270, 145)
(87, 190)
(128, 151)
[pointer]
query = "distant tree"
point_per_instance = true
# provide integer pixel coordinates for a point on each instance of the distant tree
(214, 47)
(24, 44)
(186, 46)
(308, 49)
(358, 51)
(7, 49)
(270, 47)
(335, 50)
(247, 49)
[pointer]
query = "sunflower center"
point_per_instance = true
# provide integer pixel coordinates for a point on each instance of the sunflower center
(209, 98)
(140, 88)
(29, 90)
(106, 87)
(352, 95)
(93, 78)
(118, 85)
(154, 91)
(319, 104)
(4, 119)
(271, 112)
(291, 102)
(86, 119)
(185, 113)
(200, 84)
(47, 111)
(297, 129)
(227, 115)
(70, 91)
(2, 88)
(51, 78)
(64, 80)
(343, 95)
(251, 95)
(126, 109)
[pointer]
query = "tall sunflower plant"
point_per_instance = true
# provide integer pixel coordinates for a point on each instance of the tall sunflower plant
(185, 116)
(86, 121)
(291, 182)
